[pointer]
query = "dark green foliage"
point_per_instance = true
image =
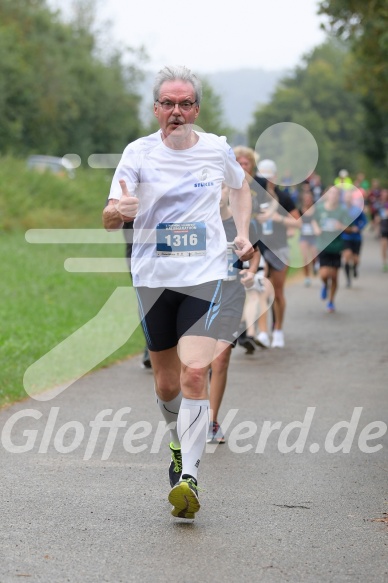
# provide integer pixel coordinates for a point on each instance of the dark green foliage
(211, 117)
(57, 95)
(316, 96)
(364, 26)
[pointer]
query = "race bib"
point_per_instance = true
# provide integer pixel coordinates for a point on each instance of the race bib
(232, 263)
(307, 229)
(180, 239)
(330, 225)
(383, 214)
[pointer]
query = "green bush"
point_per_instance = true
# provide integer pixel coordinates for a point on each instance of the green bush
(30, 199)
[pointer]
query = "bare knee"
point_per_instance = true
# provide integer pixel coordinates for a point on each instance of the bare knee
(167, 384)
(279, 293)
(194, 382)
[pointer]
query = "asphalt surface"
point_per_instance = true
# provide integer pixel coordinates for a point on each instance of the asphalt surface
(268, 514)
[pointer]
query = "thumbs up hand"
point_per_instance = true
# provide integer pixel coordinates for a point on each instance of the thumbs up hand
(128, 204)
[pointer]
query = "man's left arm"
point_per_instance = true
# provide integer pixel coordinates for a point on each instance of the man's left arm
(241, 205)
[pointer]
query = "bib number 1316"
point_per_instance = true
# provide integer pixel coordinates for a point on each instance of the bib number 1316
(180, 239)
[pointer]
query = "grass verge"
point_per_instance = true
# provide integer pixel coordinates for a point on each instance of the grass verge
(43, 304)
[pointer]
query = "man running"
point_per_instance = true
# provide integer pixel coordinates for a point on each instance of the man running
(169, 183)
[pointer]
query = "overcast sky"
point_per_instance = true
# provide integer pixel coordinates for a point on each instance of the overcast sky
(213, 35)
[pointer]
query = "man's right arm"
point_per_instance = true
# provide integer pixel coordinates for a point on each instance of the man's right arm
(111, 218)
(120, 211)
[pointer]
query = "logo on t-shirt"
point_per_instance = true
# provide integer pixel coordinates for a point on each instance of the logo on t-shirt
(203, 178)
(199, 184)
(203, 175)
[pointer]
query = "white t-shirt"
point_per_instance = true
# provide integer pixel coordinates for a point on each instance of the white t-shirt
(178, 238)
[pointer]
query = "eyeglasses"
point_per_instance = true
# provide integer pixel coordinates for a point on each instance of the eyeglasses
(170, 105)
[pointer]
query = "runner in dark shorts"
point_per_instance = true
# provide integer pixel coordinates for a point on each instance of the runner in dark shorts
(332, 219)
(169, 184)
(330, 259)
(195, 309)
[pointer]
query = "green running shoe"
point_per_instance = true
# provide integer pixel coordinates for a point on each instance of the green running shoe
(184, 498)
(175, 469)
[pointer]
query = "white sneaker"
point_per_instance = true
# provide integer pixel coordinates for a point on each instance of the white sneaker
(277, 339)
(262, 339)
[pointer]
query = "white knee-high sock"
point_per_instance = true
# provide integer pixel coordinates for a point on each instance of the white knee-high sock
(170, 410)
(193, 425)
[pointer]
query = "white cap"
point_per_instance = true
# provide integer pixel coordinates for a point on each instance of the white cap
(343, 173)
(267, 168)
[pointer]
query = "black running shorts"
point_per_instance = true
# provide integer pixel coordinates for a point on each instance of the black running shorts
(167, 314)
(330, 260)
(354, 246)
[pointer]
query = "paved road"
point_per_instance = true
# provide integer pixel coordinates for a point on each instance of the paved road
(267, 515)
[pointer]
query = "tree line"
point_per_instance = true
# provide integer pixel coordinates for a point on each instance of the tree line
(56, 95)
(61, 92)
(339, 91)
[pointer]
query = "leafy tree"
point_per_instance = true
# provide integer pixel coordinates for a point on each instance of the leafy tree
(315, 96)
(211, 117)
(57, 95)
(364, 26)
(364, 23)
